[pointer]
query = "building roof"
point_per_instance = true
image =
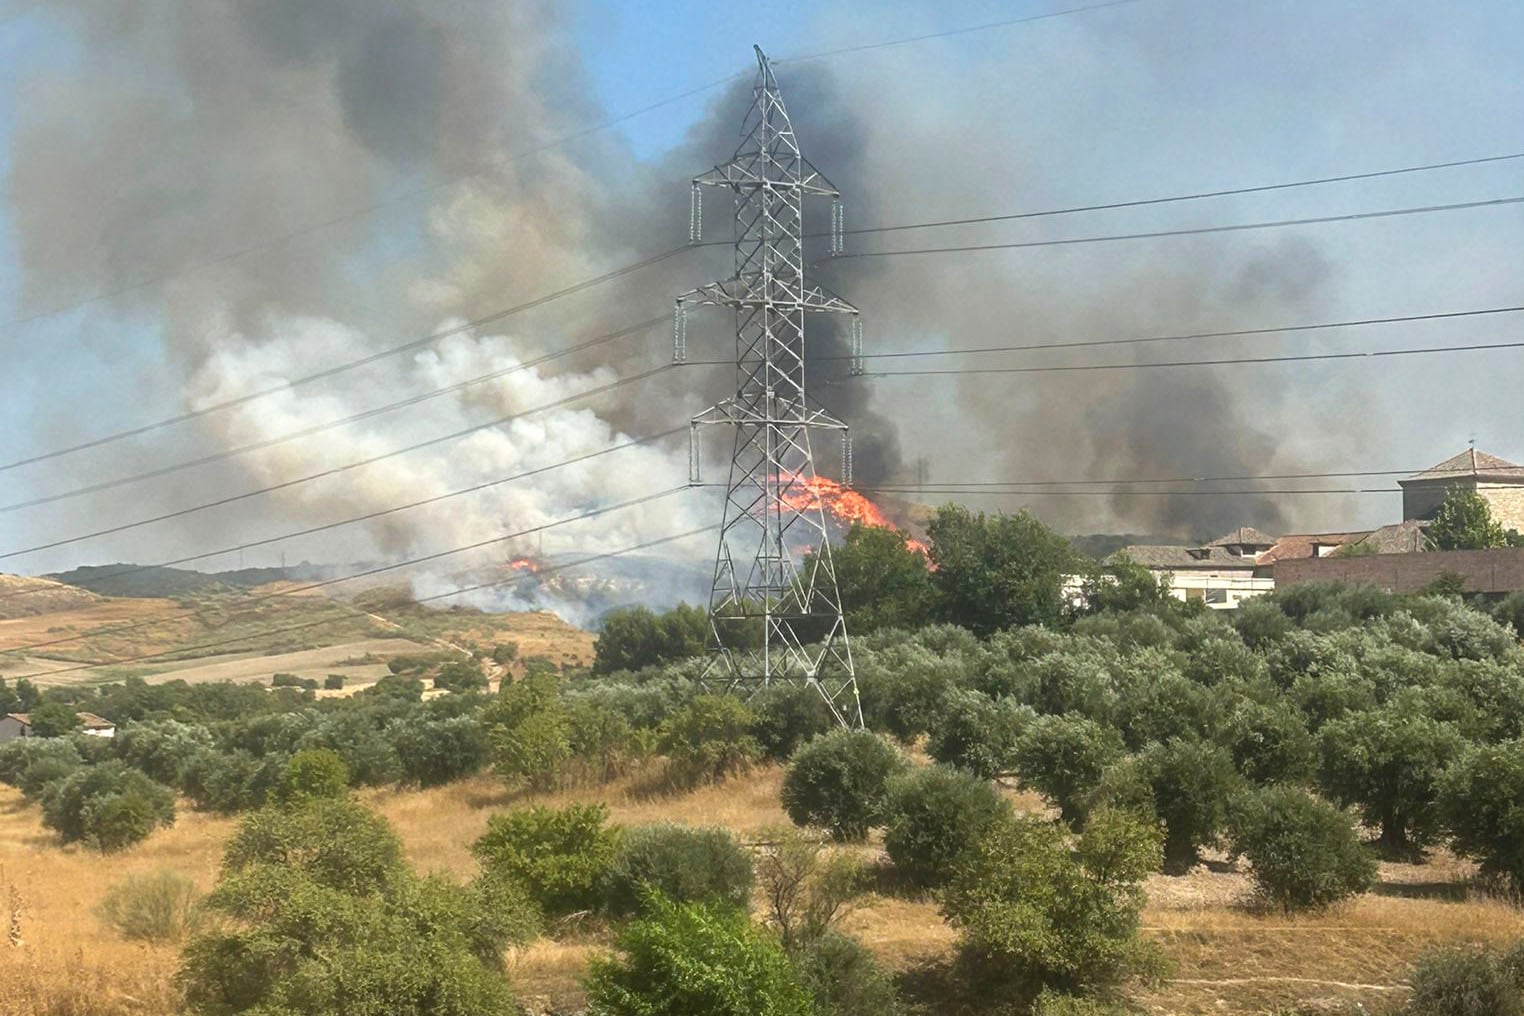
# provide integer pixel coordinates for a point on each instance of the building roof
(1469, 464)
(1184, 558)
(1300, 545)
(1244, 535)
(1399, 538)
(90, 721)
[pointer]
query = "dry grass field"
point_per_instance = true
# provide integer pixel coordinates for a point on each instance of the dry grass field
(1228, 958)
(105, 631)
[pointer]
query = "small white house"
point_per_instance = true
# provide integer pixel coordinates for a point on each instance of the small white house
(14, 725)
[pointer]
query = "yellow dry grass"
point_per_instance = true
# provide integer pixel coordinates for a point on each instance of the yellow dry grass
(1228, 959)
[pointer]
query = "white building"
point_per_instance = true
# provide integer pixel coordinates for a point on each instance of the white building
(1221, 574)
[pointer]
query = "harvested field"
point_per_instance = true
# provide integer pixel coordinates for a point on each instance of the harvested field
(23, 596)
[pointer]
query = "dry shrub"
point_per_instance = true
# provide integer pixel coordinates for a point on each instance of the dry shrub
(162, 906)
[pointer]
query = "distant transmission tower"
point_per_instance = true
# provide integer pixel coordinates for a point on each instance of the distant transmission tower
(775, 611)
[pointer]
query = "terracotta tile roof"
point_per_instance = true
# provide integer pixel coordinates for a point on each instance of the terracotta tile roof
(1469, 463)
(1303, 545)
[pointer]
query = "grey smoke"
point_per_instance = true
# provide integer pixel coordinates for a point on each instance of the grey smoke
(195, 129)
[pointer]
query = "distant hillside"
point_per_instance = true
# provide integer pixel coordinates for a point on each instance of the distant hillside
(23, 596)
(1102, 545)
(150, 581)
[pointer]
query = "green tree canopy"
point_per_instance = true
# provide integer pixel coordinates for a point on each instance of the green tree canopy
(637, 637)
(884, 582)
(994, 572)
(54, 719)
(1464, 522)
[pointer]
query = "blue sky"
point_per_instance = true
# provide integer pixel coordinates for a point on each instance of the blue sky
(1155, 98)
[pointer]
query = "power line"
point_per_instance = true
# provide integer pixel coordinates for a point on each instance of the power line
(355, 519)
(1293, 358)
(1176, 198)
(271, 442)
(1007, 23)
(548, 569)
(631, 379)
(1130, 493)
(409, 195)
(1195, 231)
(367, 573)
(673, 252)
(1235, 333)
(1242, 477)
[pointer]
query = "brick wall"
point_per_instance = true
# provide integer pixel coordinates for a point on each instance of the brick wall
(1484, 571)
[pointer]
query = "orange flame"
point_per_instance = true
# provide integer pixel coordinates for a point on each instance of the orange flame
(842, 504)
(524, 564)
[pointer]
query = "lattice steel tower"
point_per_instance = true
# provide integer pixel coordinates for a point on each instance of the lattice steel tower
(775, 611)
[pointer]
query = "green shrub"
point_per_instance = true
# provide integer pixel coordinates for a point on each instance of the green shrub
(844, 978)
(682, 864)
(936, 814)
(529, 731)
(789, 715)
(603, 744)
(709, 739)
(1482, 803)
(1032, 914)
(293, 681)
(564, 857)
(160, 748)
(313, 773)
(1063, 758)
(1305, 852)
(333, 682)
(159, 907)
(1464, 980)
(324, 916)
(695, 958)
(108, 806)
(460, 676)
(229, 781)
(335, 842)
(438, 751)
(31, 763)
(977, 733)
(837, 782)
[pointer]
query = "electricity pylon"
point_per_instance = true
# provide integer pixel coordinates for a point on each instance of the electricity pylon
(774, 607)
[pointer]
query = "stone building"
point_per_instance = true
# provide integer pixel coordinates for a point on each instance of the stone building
(1499, 482)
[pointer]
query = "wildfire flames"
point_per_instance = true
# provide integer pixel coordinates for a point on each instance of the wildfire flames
(843, 505)
(524, 564)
